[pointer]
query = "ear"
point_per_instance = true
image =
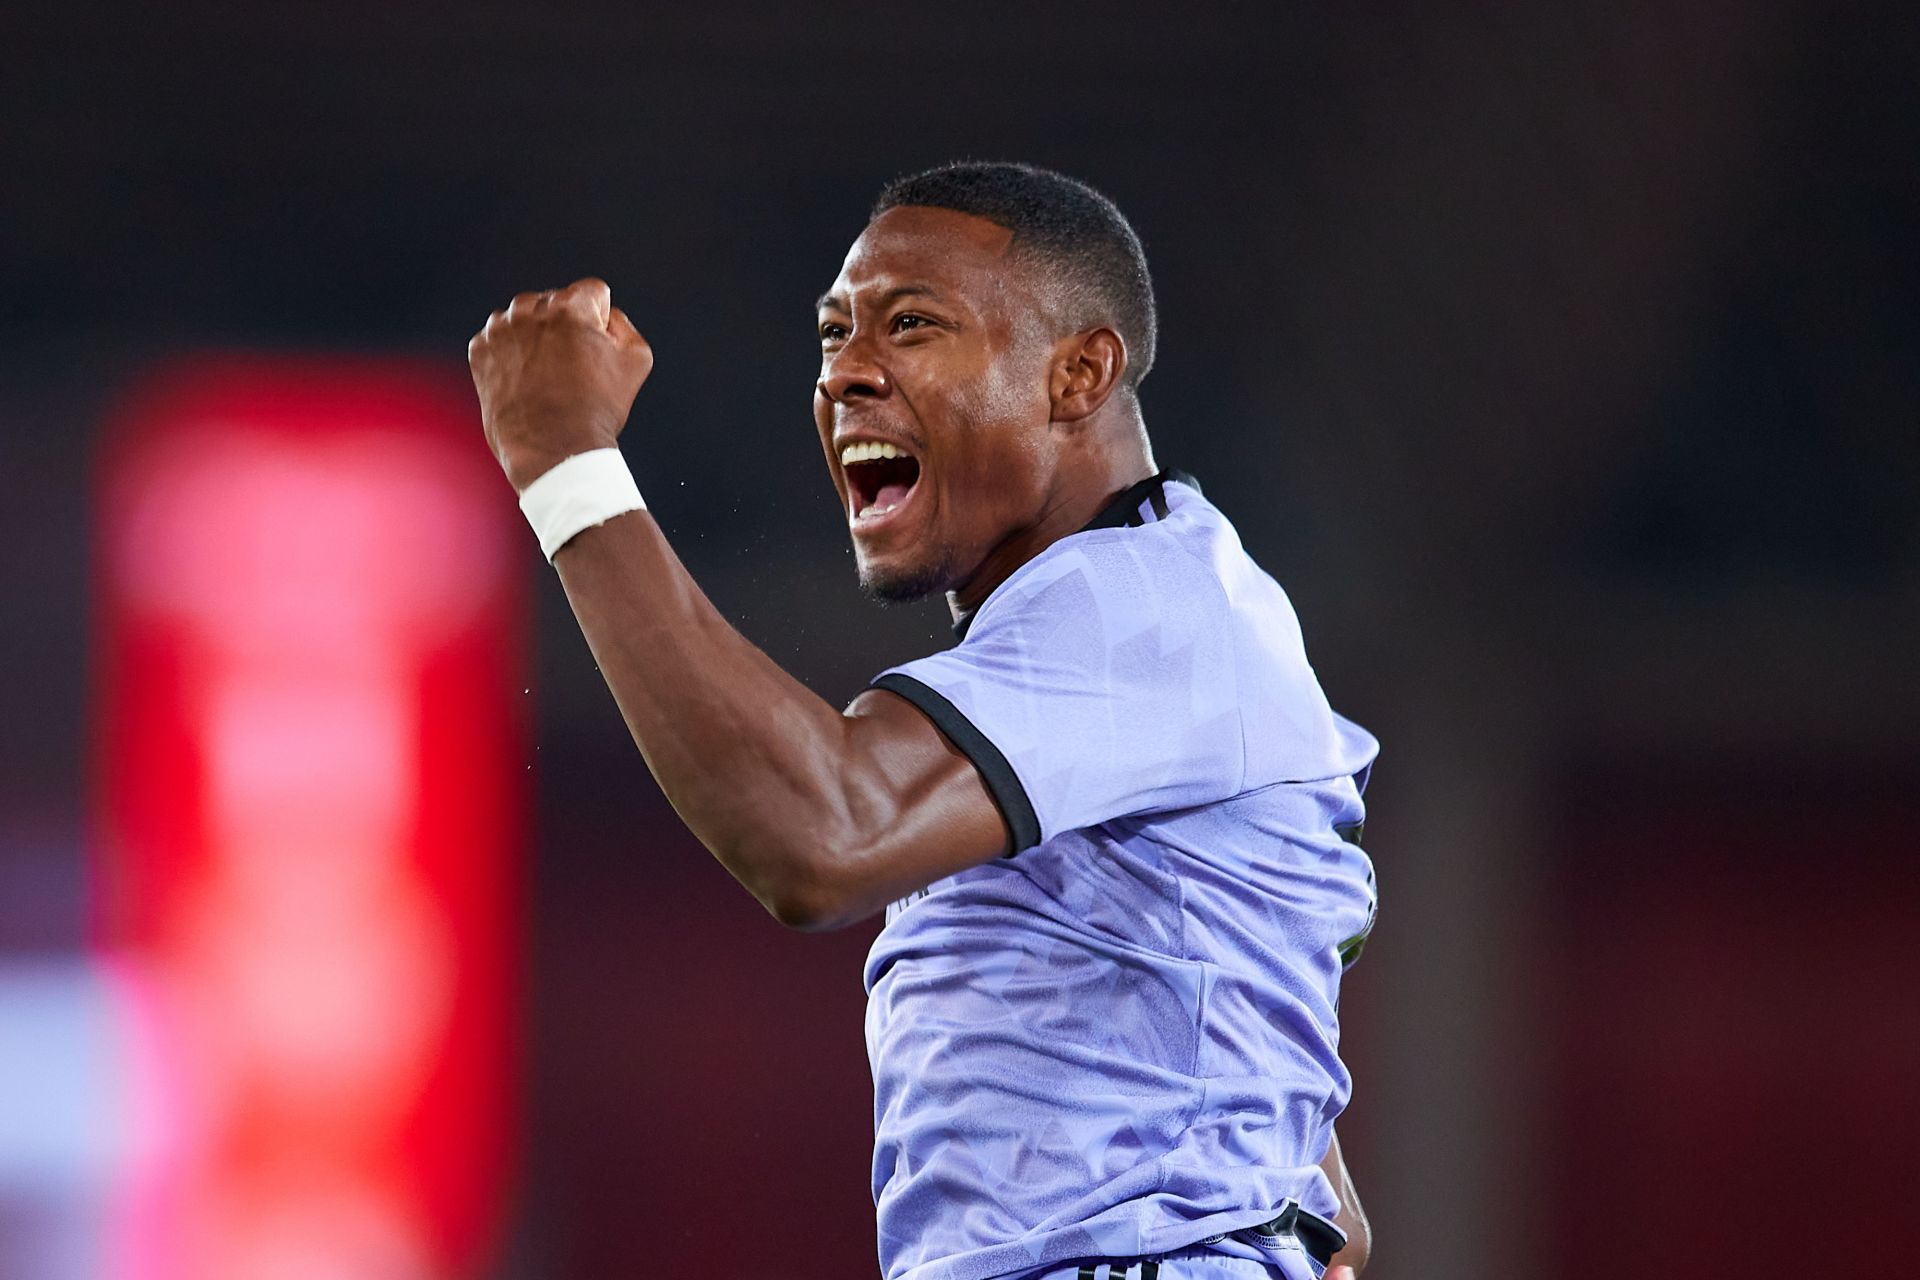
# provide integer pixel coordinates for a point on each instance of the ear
(1087, 369)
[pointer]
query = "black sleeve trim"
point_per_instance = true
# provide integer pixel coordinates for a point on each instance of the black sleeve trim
(1003, 784)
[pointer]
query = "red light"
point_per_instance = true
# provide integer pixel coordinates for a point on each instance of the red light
(310, 807)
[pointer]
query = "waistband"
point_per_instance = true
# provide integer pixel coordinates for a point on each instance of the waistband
(1316, 1237)
(1320, 1238)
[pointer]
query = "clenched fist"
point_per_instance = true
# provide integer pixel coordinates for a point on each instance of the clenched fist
(557, 373)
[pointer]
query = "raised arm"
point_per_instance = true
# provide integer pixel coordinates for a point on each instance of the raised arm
(823, 816)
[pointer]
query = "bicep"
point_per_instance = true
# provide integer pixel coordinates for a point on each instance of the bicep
(919, 807)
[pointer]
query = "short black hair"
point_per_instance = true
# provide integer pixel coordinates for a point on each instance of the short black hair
(1077, 232)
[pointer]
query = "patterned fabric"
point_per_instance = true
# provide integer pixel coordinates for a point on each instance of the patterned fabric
(1122, 1040)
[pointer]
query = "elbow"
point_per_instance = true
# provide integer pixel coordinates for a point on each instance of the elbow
(812, 877)
(803, 915)
(810, 900)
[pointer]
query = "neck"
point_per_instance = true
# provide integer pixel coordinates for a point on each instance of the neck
(1096, 482)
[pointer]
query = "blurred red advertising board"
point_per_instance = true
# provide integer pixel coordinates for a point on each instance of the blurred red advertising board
(310, 788)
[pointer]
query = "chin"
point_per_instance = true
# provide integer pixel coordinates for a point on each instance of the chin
(900, 583)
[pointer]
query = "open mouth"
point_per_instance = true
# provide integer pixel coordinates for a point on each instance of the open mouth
(880, 477)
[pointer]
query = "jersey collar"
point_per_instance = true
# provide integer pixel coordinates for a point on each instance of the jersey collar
(1139, 504)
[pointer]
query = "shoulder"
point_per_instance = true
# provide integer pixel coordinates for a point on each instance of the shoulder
(1292, 733)
(1187, 581)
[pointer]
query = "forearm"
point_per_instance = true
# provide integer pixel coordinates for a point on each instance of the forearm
(1351, 1218)
(761, 769)
(823, 816)
(768, 776)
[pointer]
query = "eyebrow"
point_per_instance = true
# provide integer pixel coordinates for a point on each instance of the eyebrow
(888, 298)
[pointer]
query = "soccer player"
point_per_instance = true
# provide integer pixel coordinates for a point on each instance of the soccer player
(1114, 830)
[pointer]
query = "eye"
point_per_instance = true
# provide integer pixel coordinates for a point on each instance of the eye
(908, 321)
(832, 332)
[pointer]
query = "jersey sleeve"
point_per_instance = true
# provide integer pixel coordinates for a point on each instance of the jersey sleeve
(1097, 683)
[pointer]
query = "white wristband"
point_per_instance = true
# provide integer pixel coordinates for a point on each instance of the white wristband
(585, 490)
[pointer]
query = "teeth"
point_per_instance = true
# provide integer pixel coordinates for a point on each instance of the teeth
(869, 451)
(876, 510)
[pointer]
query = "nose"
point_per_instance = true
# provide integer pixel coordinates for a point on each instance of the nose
(853, 371)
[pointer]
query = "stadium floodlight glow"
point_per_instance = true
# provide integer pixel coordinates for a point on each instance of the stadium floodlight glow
(310, 799)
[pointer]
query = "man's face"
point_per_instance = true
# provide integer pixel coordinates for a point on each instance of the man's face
(933, 402)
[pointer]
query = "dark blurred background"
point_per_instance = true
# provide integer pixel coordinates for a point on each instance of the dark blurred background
(1563, 362)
